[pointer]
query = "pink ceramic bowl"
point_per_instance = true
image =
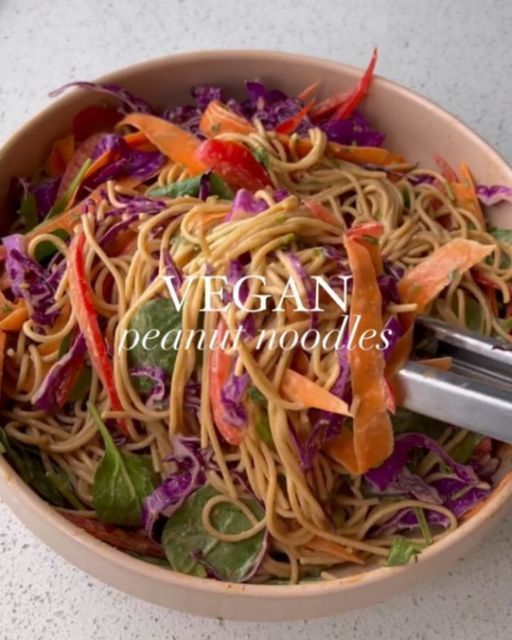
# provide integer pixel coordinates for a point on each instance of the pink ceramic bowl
(416, 128)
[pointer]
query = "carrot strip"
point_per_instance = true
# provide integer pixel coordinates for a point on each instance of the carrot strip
(321, 212)
(218, 118)
(60, 155)
(443, 363)
(372, 440)
(465, 194)
(425, 281)
(298, 388)
(357, 155)
(332, 548)
(177, 144)
(368, 234)
(14, 320)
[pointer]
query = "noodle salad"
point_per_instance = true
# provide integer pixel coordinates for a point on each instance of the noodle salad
(169, 290)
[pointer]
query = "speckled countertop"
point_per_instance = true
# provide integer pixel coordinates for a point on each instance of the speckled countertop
(456, 53)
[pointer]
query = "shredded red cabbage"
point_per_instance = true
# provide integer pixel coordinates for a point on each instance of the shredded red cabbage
(30, 280)
(232, 399)
(493, 194)
(191, 461)
(129, 102)
(245, 202)
(127, 162)
(158, 378)
(353, 130)
(381, 477)
(51, 394)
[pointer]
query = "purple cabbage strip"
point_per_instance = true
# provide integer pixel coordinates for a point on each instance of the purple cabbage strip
(388, 290)
(353, 131)
(406, 519)
(245, 202)
(192, 399)
(172, 270)
(47, 395)
(232, 399)
(130, 162)
(30, 280)
(191, 462)
(129, 101)
(394, 331)
(493, 194)
(407, 483)
(306, 280)
(381, 477)
(325, 424)
(458, 496)
(45, 194)
(158, 378)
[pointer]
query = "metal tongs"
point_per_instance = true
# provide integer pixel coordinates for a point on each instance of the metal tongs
(477, 391)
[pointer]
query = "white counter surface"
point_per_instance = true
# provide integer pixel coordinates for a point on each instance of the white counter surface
(458, 54)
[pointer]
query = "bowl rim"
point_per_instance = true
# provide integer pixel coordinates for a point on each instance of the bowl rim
(20, 493)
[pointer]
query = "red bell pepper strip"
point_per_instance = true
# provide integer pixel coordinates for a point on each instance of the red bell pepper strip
(357, 94)
(308, 92)
(132, 541)
(233, 162)
(327, 106)
(87, 318)
(220, 369)
(446, 170)
(290, 125)
(94, 119)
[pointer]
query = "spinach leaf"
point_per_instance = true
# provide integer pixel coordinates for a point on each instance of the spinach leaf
(82, 385)
(28, 212)
(62, 203)
(186, 542)
(262, 425)
(261, 422)
(405, 421)
(47, 249)
(29, 465)
(504, 235)
(160, 315)
(121, 482)
(63, 485)
(190, 187)
(463, 451)
(425, 529)
(401, 551)
(474, 314)
(261, 155)
(220, 187)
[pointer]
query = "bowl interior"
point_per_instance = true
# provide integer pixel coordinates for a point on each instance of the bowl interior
(413, 126)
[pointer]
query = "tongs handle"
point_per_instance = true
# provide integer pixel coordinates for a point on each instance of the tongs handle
(476, 394)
